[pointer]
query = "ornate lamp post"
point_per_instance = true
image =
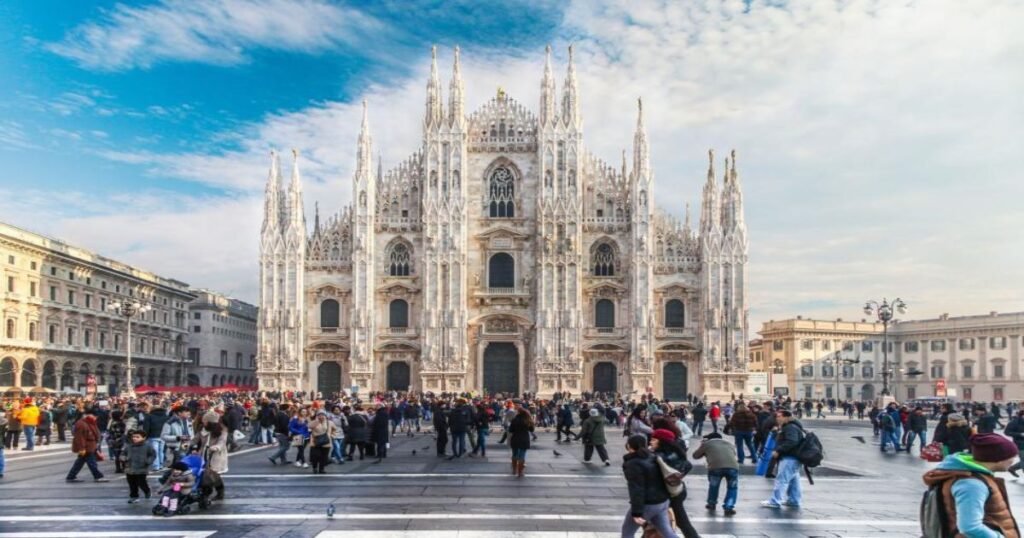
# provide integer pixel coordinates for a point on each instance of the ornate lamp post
(128, 308)
(839, 363)
(884, 312)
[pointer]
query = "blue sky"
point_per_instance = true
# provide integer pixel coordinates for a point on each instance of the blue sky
(876, 140)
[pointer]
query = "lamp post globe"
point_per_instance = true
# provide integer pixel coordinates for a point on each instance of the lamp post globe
(884, 312)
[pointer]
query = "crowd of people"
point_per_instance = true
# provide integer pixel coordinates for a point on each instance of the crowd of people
(155, 432)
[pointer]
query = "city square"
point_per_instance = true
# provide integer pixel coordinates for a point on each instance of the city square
(242, 238)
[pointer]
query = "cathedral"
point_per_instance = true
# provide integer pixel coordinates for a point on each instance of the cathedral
(503, 256)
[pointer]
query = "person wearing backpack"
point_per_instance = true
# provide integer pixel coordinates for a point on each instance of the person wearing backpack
(889, 420)
(787, 479)
(1015, 430)
(964, 497)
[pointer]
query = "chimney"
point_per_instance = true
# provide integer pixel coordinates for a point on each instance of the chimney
(799, 317)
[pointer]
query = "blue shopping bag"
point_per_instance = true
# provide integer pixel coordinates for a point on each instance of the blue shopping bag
(764, 459)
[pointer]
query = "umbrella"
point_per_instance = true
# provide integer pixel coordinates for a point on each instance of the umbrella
(13, 391)
(41, 390)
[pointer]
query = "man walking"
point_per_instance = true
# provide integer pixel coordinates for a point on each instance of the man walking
(29, 417)
(721, 458)
(787, 479)
(84, 443)
(743, 423)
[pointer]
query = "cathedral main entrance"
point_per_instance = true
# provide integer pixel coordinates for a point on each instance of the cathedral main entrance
(501, 368)
(605, 377)
(328, 378)
(398, 376)
(673, 381)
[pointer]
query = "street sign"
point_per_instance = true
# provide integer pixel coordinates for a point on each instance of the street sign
(757, 382)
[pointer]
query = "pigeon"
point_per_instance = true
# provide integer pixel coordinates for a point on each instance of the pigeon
(414, 452)
(557, 453)
(860, 438)
(330, 510)
(426, 448)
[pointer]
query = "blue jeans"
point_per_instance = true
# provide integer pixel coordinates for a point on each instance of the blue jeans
(910, 439)
(481, 442)
(459, 443)
(890, 437)
(90, 460)
(257, 434)
(748, 439)
(787, 482)
(656, 514)
(338, 449)
(158, 446)
(3, 462)
(283, 444)
(30, 437)
(732, 486)
(519, 454)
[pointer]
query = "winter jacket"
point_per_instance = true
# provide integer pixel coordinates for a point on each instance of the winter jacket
(699, 413)
(184, 478)
(153, 423)
(317, 428)
(789, 439)
(975, 501)
(519, 433)
(917, 422)
(297, 426)
(138, 458)
(214, 449)
(86, 435)
(379, 428)
(644, 480)
(674, 455)
(281, 423)
(358, 428)
(176, 432)
(267, 418)
(29, 415)
(743, 421)
(1015, 430)
(720, 454)
(460, 419)
(565, 416)
(593, 431)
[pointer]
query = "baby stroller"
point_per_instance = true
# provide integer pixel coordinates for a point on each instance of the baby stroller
(207, 484)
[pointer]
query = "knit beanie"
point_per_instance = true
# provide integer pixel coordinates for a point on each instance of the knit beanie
(594, 412)
(665, 436)
(992, 447)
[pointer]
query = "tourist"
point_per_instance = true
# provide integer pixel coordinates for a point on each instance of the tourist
(520, 432)
(212, 443)
(298, 429)
(954, 434)
(917, 425)
(358, 432)
(175, 434)
(321, 433)
(721, 463)
(592, 434)
(379, 432)
(281, 434)
(786, 491)
(85, 441)
(138, 457)
(648, 496)
(742, 424)
(665, 446)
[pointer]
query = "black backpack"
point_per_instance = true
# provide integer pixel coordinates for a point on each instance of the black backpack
(810, 453)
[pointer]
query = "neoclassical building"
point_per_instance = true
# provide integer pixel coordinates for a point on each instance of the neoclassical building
(503, 256)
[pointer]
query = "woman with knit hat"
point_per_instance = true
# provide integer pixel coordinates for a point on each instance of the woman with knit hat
(665, 445)
(975, 501)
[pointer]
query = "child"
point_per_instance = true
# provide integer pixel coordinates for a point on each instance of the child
(136, 459)
(721, 458)
(179, 483)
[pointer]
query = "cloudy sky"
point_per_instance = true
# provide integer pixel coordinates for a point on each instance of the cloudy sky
(878, 141)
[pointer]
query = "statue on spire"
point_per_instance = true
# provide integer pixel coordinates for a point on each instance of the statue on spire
(455, 93)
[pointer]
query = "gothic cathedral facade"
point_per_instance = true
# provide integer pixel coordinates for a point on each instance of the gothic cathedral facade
(502, 256)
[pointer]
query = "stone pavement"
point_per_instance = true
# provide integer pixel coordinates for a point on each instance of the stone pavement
(858, 493)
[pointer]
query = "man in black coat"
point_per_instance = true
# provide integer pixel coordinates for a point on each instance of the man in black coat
(281, 433)
(441, 428)
(459, 422)
(379, 432)
(60, 420)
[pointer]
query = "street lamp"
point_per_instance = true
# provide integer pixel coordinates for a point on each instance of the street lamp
(884, 313)
(128, 308)
(839, 363)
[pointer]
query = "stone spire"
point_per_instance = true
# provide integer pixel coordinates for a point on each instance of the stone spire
(547, 91)
(570, 94)
(272, 196)
(455, 93)
(316, 218)
(732, 200)
(641, 152)
(364, 149)
(434, 113)
(380, 171)
(710, 216)
(296, 212)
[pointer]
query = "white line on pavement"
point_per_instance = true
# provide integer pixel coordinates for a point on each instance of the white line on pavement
(403, 516)
(483, 534)
(479, 475)
(104, 534)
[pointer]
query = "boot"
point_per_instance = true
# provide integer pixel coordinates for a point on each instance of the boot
(522, 467)
(515, 467)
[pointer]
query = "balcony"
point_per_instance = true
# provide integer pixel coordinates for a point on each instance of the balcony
(329, 332)
(605, 332)
(675, 332)
(519, 295)
(399, 332)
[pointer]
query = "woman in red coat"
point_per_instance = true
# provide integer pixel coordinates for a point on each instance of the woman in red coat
(85, 443)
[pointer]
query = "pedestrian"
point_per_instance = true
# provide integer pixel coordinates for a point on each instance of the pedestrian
(889, 421)
(786, 491)
(565, 423)
(954, 434)
(593, 436)
(3, 432)
(699, 414)
(440, 421)
(975, 500)
(1015, 430)
(298, 428)
(520, 432)
(321, 432)
(281, 434)
(116, 439)
(175, 434)
(85, 441)
(358, 432)
(482, 427)
(721, 463)
(917, 425)
(212, 443)
(137, 457)
(742, 424)
(459, 421)
(153, 422)
(28, 415)
(648, 496)
(45, 428)
(379, 433)
(340, 422)
(714, 414)
(666, 446)
(637, 423)
(179, 483)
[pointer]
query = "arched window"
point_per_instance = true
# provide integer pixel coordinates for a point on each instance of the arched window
(398, 313)
(7, 371)
(399, 260)
(10, 328)
(779, 367)
(604, 314)
(603, 260)
(32, 331)
(329, 314)
(501, 193)
(674, 314)
(501, 271)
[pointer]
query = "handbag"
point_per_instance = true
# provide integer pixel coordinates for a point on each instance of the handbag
(932, 452)
(298, 440)
(322, 440)
(673, 478)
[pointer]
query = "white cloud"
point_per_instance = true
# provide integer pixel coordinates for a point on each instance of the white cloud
(220, 32)
(875, 139)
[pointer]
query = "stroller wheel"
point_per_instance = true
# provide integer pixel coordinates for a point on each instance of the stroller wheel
(204, 503)
(184, 510)
(158, 510)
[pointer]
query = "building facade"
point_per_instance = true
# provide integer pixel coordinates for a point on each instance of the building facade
(58, 329)
(221, 340)
(503, 256)
(969, 357)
